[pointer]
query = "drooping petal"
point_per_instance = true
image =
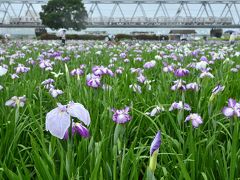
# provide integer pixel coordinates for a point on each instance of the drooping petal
(237, 109)
(10, 102)
(57, 122)
(228, 111)
(77, 110)
(195, 124)
(156, 143)
(3, 71)
(81, 130)
(231, 102)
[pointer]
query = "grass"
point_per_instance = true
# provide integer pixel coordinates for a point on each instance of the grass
(28, 151)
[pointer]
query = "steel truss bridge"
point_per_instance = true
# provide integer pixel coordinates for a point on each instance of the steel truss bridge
(24, 13)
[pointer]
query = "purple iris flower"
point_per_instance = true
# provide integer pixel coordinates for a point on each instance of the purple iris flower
(179, 85)
(149, 64)
(203, 58)
(101, 70)
(123, 55)
(66, 59)
(195, 118)
(14, 76)
(48, 84)
(55, 92)
(121, 116)
(193, 86)
(181, 72)
(180, 106)
(141, 78)
(136, 70)
(77, 72)
(206, 73)
(46, 64)
(79, 129)
(16, 101)
(138, 59)
(119, 70)
(93, 81)
(202, 65)
(168, 68)
(21, 69)
(233, 109)
(156, 143)
(58, 119)
(217, 89)
(155, 111)
(136, 88)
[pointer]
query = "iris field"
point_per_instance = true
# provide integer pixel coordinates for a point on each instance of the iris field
(127, 110)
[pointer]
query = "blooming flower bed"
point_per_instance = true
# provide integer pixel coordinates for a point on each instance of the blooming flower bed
(125, 110)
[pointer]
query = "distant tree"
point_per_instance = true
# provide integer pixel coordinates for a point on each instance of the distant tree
(64, 14)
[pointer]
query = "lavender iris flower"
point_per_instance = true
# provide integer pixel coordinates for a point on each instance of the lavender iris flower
(3, 70)
(203, 58)
(55, 92)
(77, 72)
(48, 84)
(141, 78)
(179, 85)
(217, 89)
(233, 109)
(58, 119)
(149, 64)
(156, 110)
(21, 69)
(136, 88)
(181, 72)
(136, 70)
(195, 118)
(180, 106)
(123, 55)
(206, 73)
(93, 81)
(121, 116)
(119, 70)
(14, 76)
(193, 86)
(101, 70)
(201, 65)
(168, 68)
(16, 101)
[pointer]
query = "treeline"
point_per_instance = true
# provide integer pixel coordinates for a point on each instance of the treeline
(47, 36)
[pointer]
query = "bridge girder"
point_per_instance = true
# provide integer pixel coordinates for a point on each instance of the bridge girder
(188, 19)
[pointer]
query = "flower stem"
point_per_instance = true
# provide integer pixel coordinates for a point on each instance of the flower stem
(234, 149)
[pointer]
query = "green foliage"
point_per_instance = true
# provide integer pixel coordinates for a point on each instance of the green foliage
(64, 14)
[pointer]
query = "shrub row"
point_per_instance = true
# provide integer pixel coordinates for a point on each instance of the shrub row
(102, 37)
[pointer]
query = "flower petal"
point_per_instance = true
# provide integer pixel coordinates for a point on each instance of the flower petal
(231, 102)
(3, 71)
(57, 122)
(228, 111)
(81, 130)
(77, 110)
